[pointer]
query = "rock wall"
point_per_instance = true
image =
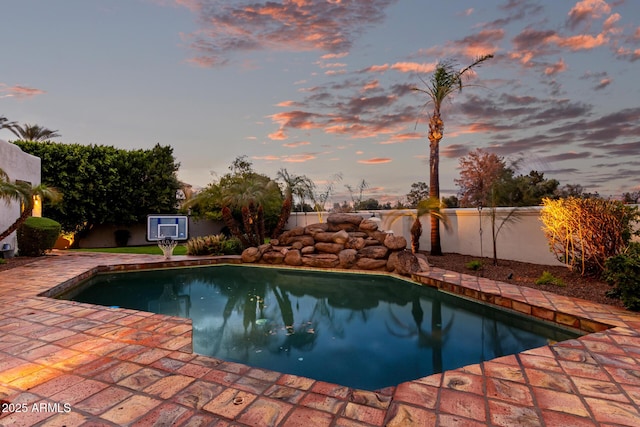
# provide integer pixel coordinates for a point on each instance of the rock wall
(345, 241)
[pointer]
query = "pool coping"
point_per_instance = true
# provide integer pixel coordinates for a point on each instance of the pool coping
(118, 366)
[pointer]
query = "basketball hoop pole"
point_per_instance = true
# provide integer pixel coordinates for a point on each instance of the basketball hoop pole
(167, 245)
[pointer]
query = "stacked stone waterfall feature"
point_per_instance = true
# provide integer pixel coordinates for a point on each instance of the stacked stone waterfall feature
(345, 241)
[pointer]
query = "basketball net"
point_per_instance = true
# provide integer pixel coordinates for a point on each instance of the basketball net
(167, 245)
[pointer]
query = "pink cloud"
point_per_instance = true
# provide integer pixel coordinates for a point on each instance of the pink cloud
(299, 158)
(19, 92)
(375, 161)
(413, 67)
(556, 68)
(291, 25)
(296, 144)
(403, 137)
(586, 10)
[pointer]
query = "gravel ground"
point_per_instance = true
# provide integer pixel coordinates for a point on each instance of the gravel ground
(521, 273)
(525, 274)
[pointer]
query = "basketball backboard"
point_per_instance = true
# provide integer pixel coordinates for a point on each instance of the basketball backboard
(160, 227)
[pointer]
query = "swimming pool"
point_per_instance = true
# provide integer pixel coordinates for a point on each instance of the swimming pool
(361, 330)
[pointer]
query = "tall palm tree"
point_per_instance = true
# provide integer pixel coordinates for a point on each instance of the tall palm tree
(29, 132)
(446, 80)
(24, 193)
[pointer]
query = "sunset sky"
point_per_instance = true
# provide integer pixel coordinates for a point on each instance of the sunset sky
(321, 87)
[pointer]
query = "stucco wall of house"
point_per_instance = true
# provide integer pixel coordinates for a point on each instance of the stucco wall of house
(19, 166)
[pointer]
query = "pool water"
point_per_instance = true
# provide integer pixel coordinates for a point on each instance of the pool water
(366, 331)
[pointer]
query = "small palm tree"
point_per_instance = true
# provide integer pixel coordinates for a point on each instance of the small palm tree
(427, 206)
(24, 193)
(33, 132)
(293, 184)
(446, 80)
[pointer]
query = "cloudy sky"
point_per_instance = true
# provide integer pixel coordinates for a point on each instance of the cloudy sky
(321, 87)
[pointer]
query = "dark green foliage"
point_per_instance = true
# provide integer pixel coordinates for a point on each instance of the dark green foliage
(623, 273)
(37, 235)
(106, 185)
(232, 246)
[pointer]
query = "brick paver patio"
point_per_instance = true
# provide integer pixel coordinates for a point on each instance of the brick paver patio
(64, 363)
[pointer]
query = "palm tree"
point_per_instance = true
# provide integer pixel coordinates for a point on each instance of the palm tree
(444, 82)
(25, 193)
(293, 184)
(427, 206)
(33, 132)
(6, 124)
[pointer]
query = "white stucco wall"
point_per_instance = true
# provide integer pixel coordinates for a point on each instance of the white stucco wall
(520, 240)
(19, 166)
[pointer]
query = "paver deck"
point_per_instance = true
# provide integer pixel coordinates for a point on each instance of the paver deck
(64, 363)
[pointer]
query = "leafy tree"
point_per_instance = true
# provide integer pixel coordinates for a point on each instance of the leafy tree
(444, 81)
(480, 174)
(631, 198)
(29, 132)
(419, 191)
(450, 202)
(369, 204)
(529, 190)
(105, 185)
(241, 198)
(25, 194)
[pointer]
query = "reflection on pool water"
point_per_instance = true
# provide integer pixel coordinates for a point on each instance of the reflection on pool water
(360, 330)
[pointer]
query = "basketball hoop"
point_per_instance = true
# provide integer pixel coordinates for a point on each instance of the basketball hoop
(167, 245)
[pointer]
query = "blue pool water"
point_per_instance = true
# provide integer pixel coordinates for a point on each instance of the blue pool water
(360, 330)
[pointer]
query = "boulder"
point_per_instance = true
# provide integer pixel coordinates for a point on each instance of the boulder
(344, 218)
(346, 226)
(273, 257)
(331, 248)
(375, 252)
(321, 260)
(251, 254)
(348, 258)
(297, 245)
(380, 236)
(274, 242)
(371, 264)
(297, 231)
(356, 243)
(368, 225)
(312, 229)
(324, 236)
(308, 250)
(305, 240)
(395, 243)
(404, 263)
(340, 237)
(293, 257)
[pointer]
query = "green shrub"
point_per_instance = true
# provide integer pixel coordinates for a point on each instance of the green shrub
(232, 246)
(214, 245)
(37, 235)
(474, 265)
(549, 279)
(623, 273)
(3, 261)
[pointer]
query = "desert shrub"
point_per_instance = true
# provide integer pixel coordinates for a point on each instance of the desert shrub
(474, 265)
(37, 235)
(546, 278)
(3, 261)
(584, 232)
(217, 244)
(623, 273)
